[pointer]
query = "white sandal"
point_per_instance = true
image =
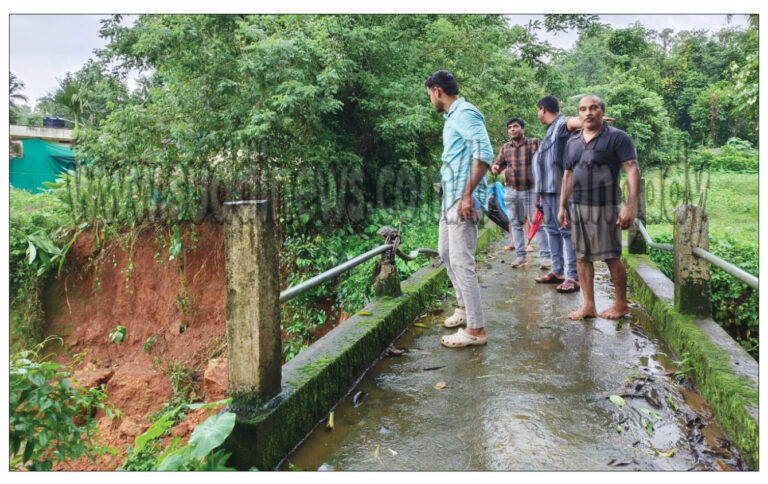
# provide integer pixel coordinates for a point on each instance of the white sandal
(459, 317)
(461, 338)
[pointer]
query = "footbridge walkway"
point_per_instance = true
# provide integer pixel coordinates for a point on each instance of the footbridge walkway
(662, 389)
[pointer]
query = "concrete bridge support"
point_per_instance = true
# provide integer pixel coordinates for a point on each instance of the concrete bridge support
(253, 308)
(692, 290)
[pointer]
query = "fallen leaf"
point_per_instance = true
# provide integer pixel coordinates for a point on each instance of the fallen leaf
(377, 452)
(364, 313)
(329, 423)
(667, 454)
(617, 400)
(392, 452)
(618, 429)
(421, 325)
(440, 385)
(356, 398)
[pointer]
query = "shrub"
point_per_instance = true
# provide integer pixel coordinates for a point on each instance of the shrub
(201, 453)
(737, 156)
(37, 244)
(44, 409)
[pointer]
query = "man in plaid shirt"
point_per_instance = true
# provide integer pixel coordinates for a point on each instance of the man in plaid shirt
(514, 162)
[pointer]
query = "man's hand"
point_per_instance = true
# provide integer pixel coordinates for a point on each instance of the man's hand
(466, 209)
(562, 218)
(626, 217)
(495, 169)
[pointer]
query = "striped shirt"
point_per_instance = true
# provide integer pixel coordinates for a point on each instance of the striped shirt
(465, 139)
(548, 160)
(514, 160)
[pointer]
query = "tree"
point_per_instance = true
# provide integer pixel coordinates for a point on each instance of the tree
(85, 97)
(15, 86)
(306, 96)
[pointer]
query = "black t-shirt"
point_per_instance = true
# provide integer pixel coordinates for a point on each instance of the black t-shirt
(596, 165)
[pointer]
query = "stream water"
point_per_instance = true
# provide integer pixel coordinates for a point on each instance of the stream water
(538, 396)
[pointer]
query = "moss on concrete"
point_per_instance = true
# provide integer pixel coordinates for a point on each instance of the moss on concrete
(314, 381)
(727, 387)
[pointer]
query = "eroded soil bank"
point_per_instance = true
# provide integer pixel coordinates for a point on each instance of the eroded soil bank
(174, 315)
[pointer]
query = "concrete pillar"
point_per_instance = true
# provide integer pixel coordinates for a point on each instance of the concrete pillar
(253, 307)
(635, 239)
(692, 290)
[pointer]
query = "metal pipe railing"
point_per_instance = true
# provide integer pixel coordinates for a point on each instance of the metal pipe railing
(731, 269)
(415, 253)
(649, 241)
(716, 261)
(303, 287)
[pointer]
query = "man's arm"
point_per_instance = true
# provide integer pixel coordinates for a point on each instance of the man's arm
(627, 213)
(477, 173)
(497, 165)
(573, 123)
(566, 188)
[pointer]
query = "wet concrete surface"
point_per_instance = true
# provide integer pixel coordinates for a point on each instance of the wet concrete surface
(536, 397)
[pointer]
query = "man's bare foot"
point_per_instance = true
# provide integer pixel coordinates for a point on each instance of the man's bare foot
(615, 312)
(583, 313)
(509, 247)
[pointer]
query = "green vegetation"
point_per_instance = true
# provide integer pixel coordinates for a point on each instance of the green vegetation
(201, 453)
(51, 420)
(732, 206)
(38, 235)
(326, 115)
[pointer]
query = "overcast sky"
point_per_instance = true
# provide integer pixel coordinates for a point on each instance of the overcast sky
(43, 48)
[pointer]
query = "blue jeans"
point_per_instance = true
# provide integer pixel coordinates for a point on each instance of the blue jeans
(521, 204)
(558, 236)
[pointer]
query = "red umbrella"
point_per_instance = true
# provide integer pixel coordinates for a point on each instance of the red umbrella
(538, 216)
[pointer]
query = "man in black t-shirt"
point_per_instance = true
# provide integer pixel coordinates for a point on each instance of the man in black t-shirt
(594, 157)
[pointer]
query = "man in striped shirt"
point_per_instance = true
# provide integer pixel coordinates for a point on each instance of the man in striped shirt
(514, 162)
(548, 175)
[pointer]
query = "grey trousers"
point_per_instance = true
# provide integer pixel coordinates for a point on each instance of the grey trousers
(456, 244)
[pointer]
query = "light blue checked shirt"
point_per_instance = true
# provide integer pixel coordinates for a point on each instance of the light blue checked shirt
(465, 139)
(548, 160)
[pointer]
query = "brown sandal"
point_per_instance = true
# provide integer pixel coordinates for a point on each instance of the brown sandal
(568, 286)
(550, 278)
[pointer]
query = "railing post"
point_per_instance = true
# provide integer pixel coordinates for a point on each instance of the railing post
(386, 282)
(636, 242)
(692, 290)
(252, 308)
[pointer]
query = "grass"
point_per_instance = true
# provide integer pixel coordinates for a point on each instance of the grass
(732, 205)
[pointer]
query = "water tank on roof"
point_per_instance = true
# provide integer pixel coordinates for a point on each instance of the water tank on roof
(54, 122)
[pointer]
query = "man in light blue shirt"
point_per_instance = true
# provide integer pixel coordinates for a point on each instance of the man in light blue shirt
(466, 157)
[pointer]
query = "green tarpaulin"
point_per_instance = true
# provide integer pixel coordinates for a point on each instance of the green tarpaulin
(42, 162)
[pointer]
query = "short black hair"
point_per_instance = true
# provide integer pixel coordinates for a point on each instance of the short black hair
(550, 103)
(445, 81)
(516, 120)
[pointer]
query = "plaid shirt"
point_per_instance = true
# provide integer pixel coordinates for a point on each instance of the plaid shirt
(514, 160)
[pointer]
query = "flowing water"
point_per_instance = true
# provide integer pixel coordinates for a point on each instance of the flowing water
(536, 397)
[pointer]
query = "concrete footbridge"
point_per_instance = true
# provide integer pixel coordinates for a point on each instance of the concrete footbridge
(656, 390)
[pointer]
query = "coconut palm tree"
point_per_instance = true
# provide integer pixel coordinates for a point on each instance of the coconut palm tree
(15, 87)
